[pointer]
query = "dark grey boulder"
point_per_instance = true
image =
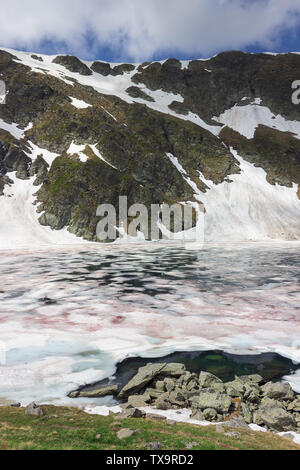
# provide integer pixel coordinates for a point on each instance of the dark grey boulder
(139, 401)
(252, 393)
(147, 374)
(73, 64)
(210, 414)
(122, 68)
(252, 379)
(154, 446)
(295, 405)
(247, 414)
(101, 67)
(173, 369)
(125, 434)
(235, 388)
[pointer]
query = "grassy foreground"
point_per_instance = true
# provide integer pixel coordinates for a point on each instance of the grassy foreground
(71, 429)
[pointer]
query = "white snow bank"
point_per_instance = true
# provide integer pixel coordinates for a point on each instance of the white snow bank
(35, 151)
(294, 380)
(247, 207)
(79, 104)
(19, 226)
(246, 119)
(13, 129)
(250, 208)
(296, 437)
(75, 149)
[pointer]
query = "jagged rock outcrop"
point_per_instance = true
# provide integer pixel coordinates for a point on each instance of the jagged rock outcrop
(133, 138)
(39, 168)
(244, 401)
(229, 77)
(73, 64)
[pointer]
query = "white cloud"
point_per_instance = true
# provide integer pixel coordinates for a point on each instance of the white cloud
(137, 29)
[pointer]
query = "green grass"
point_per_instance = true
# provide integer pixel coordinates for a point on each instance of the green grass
(72, 429)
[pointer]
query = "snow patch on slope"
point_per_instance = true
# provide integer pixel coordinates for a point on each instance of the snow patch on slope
(35, 151)
(181, 170)
(162, 103)
(99, 155)
(246, 119)
(250, 208)
(19, 225)
(75, 149)
(13, 129)
(246, 207)
(79, 104)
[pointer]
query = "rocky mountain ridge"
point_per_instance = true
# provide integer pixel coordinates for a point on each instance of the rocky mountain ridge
(82, 134)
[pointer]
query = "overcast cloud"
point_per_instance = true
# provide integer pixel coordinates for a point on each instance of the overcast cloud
(139, 29)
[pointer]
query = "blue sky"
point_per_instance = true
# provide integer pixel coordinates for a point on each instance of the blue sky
(138, 30)
(290, 42)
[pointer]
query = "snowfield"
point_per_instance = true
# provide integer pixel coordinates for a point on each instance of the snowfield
(19, 225)
(246, 119)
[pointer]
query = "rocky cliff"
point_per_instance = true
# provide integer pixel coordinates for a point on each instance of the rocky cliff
(222, 133)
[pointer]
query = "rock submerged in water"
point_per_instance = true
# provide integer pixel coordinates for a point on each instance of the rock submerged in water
(245, 400)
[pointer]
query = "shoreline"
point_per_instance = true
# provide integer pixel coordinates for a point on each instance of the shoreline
(60, 428)
(169, 390)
